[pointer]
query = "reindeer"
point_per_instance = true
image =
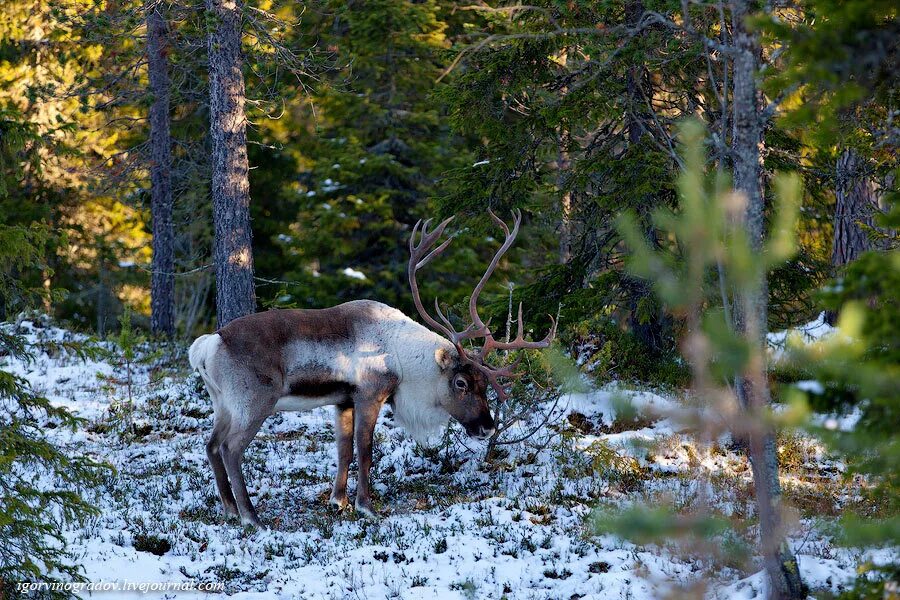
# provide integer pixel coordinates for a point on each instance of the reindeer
(355, 357)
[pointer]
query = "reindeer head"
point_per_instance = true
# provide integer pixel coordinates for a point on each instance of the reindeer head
(468, 373)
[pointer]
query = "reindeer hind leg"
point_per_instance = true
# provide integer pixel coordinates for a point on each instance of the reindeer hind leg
(343, 433)
(232, 450)
(213, 452)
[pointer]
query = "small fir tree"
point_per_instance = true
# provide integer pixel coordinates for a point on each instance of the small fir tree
(33, 517)
(713, 243)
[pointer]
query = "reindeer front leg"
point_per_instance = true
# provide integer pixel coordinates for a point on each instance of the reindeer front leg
(366, 415)
(343, 433)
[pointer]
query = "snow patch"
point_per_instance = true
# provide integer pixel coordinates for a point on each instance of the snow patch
(354, 274)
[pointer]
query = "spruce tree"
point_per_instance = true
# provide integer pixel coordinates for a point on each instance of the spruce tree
(573, 106)
(33, 517)
(376, 149)
(712, 228)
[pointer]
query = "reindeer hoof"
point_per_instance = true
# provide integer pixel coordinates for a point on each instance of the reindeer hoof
(252, 521)
(365, 509)
(339, 502)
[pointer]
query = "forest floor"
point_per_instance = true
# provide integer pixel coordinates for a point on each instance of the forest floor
(453, 525)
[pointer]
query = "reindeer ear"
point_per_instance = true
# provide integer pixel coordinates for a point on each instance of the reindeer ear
(444, 358)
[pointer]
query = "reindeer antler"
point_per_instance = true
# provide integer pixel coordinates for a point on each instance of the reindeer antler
(417, 260)
(478, 328)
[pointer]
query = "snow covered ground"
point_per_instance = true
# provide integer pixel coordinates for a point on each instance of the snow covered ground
(452, 525)
(815, 330)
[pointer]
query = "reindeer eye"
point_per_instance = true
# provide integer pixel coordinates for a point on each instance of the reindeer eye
(460, 383)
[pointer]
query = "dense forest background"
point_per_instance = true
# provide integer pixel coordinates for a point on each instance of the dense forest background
(145, 144)
(364, 118)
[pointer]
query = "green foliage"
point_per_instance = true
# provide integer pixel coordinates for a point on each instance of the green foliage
(841, 55)
(22, 248)
(423, 109)
(15, 136)
(560, 128)
(33, 516)
(712, 242)
(715, 268)
(859, 370)
(615, 467)
(611, 352)
(873, 583)
(127, 342)
(128, 350)
(655, 525)
(379, 149)
(874, 278)
(52, 180)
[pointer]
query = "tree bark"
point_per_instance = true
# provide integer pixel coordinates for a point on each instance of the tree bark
(233, 253)
(856, 201)
(634, 80)
(750, 314)
(162, 278)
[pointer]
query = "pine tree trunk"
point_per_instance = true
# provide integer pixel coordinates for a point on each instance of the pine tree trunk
(750, 315)
(855, 201)
(162, 278)
(233, 254)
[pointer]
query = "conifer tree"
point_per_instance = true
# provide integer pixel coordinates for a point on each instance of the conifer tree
(840, 72)
(33, 516)
(377, 147)
(47, 56)
(840, 66)
(751, 303)
(713, 230)
(611, 78)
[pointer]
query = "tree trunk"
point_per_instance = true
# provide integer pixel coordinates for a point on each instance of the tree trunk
(750, 315)
(101, 294)
(855, 202)
(563, 165)
(233, 254)
(634, 80)
(162, 278)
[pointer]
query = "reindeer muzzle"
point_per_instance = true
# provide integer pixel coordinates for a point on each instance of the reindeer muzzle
(481, 428)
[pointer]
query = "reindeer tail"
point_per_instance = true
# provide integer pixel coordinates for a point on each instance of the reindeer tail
(202, 351)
